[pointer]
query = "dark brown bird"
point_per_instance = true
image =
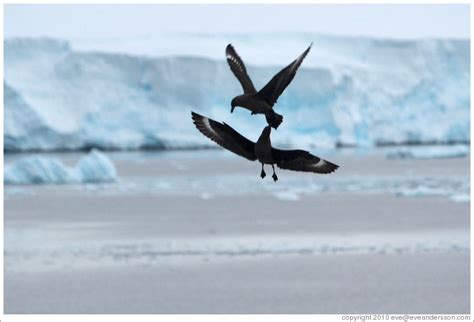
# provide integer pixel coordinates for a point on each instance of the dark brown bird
(261, 102)
(230, 139)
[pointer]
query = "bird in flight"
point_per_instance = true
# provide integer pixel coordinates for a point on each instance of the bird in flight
(262, 150)
(261, 102)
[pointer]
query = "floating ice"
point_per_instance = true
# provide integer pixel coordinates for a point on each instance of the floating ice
(351, 91)
(290, 189)
(94, 167)
(433, 152)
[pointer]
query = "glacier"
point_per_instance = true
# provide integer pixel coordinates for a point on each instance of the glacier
(95, 167)
(350, 91)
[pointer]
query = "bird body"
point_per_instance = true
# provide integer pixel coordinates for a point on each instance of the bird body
(252, 103)
(263, 147)
(262, 150)
(261, 102)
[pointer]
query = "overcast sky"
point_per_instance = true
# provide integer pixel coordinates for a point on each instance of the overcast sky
(109, 21)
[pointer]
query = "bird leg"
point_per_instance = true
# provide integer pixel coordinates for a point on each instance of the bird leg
(262, 174)
(274, 176)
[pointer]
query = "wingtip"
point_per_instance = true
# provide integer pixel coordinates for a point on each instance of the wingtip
(327, 167)
(331, 167)
(195, 116)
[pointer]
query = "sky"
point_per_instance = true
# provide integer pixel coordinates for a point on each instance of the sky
(110, 21)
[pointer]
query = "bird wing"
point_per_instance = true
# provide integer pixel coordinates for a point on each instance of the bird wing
(280, 81)
(225, 136)
(238, 68)
(299, 160)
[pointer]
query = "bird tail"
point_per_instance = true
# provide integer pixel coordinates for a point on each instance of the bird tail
(273, 119)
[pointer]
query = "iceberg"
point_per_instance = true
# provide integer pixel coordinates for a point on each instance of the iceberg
(349, 91)
(95, 167)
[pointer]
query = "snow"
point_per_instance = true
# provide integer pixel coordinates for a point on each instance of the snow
(92, 168)
(352, 91)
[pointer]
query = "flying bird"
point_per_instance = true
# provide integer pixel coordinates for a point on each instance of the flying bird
(262, 150)
(261, 102)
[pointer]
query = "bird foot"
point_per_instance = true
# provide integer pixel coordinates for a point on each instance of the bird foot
(262, 174)
(275, 178)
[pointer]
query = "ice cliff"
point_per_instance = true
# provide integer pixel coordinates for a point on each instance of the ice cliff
(349, 91)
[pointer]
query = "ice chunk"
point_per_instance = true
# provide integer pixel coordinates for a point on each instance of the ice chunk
(94, 167)
(288, 195)
(461, 198)
(37, 170)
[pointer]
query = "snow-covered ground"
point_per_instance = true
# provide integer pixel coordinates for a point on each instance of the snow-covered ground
(352, 91)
